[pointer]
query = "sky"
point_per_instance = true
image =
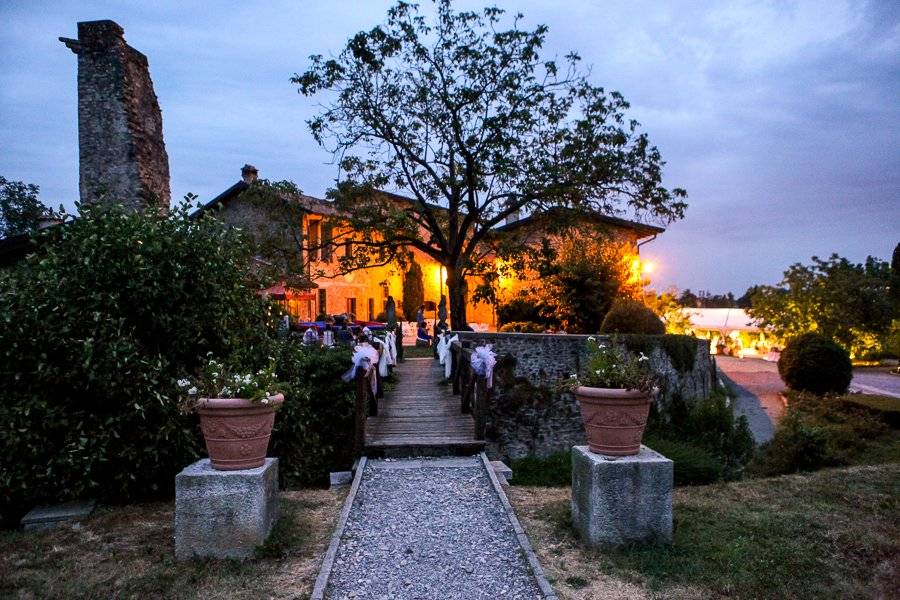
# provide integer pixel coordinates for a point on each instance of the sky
(781, 118)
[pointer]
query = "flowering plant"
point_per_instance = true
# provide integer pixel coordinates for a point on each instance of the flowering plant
(217, 380)
(610, 365)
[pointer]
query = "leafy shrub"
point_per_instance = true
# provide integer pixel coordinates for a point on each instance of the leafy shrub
(630, 316)
(522, 327)
(552, 471)
(798, 445)
(681, 349)
(819, 432)
(520, 310)
(813, 363)
(700, 431)
(313, 431)
(96, 328)
(694, 465)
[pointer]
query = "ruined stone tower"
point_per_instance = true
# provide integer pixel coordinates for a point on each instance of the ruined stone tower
(120, 140)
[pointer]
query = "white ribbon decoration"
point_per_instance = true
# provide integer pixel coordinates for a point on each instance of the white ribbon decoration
(448, 363)
(483, 361)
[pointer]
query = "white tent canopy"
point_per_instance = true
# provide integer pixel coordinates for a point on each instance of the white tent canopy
(721, 319)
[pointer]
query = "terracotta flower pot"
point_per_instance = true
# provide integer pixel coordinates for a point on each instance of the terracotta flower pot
(237, 431)
(614, 419)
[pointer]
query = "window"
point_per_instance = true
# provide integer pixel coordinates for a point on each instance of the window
(326, 242)
(313, 237)
(351, 306)
(348, 248)
(371, 309)
(323, 302)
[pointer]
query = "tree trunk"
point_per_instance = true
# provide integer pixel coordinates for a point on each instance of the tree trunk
(457, 289)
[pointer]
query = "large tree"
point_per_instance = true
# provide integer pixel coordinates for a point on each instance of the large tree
(20, 208)
(463, 115)
(845, 301)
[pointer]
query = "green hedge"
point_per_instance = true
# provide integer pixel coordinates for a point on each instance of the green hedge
(313, 432)
(818, 432)
(96, 327)
(814, 363)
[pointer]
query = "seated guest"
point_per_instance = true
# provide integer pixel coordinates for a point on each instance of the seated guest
(311, 337)
(422, 336)
(328, 335)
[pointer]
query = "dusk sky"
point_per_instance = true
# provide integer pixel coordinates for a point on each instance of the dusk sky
(781, 119)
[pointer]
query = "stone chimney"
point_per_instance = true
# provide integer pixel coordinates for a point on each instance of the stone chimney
(249, 174)
(120, 139)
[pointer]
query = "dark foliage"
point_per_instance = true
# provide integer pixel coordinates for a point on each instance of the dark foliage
(522, 327)
(20, 209)
(694, 465)
(521, 310)
(460, 110)
(822, 431)
(313, 432)
(630, 316)
(709, 427)
(413, 290)
(95, 329)
(813, 363)
(681, 349)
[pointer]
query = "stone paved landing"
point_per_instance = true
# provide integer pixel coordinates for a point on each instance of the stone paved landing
(431, 528)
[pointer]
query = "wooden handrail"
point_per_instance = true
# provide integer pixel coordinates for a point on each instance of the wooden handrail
(475, 396)
(365, 405)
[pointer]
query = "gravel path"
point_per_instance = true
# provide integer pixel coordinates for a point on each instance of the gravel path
(429, 529)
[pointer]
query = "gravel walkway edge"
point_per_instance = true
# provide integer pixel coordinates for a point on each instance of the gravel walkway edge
(318, 592)
(537, 572)
(521, 536)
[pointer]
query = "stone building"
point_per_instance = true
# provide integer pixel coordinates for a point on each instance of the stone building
(364, 292)
(122, 155)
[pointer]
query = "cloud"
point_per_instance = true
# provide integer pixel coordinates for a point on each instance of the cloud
(780, 118)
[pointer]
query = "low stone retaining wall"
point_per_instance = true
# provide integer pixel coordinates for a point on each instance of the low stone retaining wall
(528, 415)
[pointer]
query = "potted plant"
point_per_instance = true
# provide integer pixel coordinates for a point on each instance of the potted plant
(237, 411)
(614, 394)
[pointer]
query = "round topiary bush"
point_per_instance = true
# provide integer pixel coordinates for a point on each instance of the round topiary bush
(813, 363)
(630, 316)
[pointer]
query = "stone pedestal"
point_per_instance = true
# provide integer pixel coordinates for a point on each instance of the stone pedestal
(224, 514)
(622, 500)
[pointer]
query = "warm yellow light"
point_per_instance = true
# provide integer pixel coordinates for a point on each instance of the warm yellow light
(648, 267)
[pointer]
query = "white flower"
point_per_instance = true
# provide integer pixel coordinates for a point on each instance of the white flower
(643, 357)
(183, 383)
(573, 376)
(215, 374)
(599, 371)
(247, 378)
(192, 391)
(226, 391)
(265, 400)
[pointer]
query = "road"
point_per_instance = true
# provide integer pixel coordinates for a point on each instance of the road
(758, 384)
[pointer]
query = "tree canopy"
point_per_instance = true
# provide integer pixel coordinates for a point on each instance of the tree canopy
(463, 114)
(20, 208)
(847, 302)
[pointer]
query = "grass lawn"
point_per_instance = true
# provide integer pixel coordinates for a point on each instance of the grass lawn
(830, 534)
(128, 552)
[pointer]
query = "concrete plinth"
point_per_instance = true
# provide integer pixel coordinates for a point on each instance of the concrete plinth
(224, 514)
(622, 500)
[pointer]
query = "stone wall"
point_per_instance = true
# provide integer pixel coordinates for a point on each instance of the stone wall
(529, 416)
(122, 154)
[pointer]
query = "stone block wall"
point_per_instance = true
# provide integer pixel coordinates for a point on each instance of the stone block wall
(122, 154)
(529, 415)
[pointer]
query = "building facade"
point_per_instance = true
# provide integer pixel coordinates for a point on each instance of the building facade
(364, 292)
